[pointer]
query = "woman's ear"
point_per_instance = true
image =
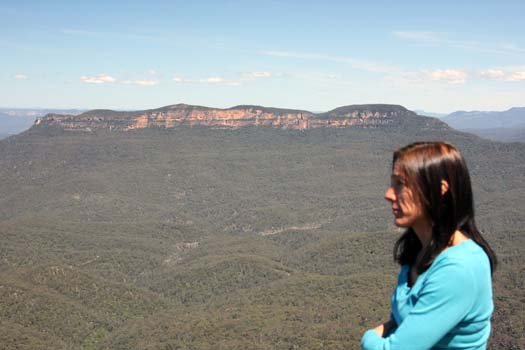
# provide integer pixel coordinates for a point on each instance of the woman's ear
(444, 187)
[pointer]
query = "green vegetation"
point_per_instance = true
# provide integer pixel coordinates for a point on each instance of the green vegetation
(197, 238)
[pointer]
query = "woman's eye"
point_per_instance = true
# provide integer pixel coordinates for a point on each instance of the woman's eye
(396, 183)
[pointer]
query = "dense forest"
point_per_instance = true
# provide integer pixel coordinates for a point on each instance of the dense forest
(199, 238)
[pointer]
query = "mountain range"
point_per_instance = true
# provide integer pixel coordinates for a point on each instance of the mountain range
(506, 126)
(234, 117)
(240, 228)
(512, 118)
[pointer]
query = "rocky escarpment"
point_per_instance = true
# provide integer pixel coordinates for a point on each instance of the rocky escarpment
(235, 117)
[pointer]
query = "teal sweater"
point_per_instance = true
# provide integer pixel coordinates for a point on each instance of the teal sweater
(449, 306)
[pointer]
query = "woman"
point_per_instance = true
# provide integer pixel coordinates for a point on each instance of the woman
(443, 298)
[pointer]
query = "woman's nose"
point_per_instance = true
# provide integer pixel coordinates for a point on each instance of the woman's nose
(389, 194)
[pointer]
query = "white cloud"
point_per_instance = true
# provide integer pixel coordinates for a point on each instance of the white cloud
(221, 81)
(99, 79)
(218, 80)
(515, 73)
(142, 82)
(213, 80)
(210, 80)
(517, 76)
(256, 75)
(146, 82)
(492, 74)
(451, 76)
(152, 72)
(21, 77)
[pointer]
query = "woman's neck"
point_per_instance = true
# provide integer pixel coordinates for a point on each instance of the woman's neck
(456, 238)
(424, 234)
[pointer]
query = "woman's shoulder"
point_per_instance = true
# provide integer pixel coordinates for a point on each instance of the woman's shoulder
(467, 252)
(462, 262)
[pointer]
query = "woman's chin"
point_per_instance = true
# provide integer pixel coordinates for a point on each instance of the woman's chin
(399, 222)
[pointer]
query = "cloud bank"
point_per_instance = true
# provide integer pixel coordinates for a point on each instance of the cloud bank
(218, 80)
(451, 76)
(504, 74)
(144, 82)
(98, 79)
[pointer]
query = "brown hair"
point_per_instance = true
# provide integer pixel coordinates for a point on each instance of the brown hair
(424, 165)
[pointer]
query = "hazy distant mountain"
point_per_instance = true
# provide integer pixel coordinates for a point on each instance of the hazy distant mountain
(514, 117)
(14, 124)
(16, 120)
(507, 126)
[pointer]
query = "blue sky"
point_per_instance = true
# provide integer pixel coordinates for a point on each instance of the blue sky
(317, 55)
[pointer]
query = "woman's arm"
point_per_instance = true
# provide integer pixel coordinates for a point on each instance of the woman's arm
(386, 328)
(443, 302)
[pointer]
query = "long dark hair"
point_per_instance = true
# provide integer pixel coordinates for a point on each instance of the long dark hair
(425, 165)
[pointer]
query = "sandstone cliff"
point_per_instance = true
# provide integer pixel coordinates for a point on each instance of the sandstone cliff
(236, 117)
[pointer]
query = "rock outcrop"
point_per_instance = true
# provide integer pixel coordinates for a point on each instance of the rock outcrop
(236, 117)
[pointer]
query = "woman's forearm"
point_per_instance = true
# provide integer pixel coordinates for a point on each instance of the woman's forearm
(383, 329)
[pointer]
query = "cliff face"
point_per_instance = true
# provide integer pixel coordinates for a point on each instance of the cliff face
(235, 117)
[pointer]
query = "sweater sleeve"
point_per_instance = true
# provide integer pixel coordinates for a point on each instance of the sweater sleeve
(443, 302)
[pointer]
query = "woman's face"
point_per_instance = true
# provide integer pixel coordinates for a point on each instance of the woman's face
(405, 206)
